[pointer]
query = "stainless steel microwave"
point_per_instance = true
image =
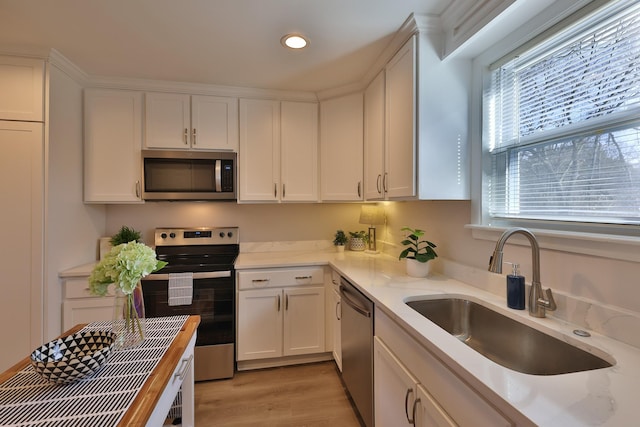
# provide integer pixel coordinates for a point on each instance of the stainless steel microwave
(188, 175)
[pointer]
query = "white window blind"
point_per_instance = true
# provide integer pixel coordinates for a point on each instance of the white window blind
(563, 125)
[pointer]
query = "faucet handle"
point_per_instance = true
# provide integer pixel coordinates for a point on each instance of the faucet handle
(548, 302)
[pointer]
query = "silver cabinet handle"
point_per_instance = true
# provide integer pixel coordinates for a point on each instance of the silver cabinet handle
(303, 277)
(413, 411)
(384, 182)
(359, 192)
(259, 280)
(286, 302)
(138, 189)
(278, 302)
(186, 136)
(338, 310)
(406, 405)
(378, 184)
(334, 281)
(283, 193)
(184, 368)
(193, 136)
(275, 190)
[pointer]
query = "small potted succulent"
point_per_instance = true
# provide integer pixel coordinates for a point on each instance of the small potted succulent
(418, 252)
(358, 240)
(340, 240)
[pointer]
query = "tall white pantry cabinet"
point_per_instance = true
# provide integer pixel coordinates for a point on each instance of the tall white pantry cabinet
(22, 190)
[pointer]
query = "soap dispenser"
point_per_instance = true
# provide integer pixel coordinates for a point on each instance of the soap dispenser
(515, 288)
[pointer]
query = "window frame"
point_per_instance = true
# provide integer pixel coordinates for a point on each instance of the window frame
(598, 239)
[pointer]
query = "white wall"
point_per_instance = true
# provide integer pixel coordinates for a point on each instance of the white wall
(71, 227)
(258, 223)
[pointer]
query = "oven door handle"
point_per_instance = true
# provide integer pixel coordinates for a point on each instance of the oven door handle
(199, 275)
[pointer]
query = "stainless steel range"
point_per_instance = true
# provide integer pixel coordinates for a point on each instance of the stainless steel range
(198, 279)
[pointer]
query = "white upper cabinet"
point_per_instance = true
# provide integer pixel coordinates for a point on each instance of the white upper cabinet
(278, 151)
(374, 172)
(259, 155)
(400, 123)
(299, 151)
(416, 126)
(21, 89)
(341, 147)
(112, 136)
(179, 121)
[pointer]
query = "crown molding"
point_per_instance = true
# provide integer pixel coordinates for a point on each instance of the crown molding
(72, 70)
(198, 89)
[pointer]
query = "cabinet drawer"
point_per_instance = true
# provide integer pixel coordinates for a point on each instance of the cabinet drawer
(280, 277)
(79, 288)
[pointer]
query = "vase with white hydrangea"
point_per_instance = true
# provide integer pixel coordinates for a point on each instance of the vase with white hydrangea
(125, 265)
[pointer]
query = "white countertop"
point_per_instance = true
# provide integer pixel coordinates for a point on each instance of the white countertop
(603, 397)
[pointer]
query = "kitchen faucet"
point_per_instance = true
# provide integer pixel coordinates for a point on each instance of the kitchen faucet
(539, 300)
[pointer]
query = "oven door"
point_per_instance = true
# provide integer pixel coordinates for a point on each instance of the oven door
(213, 300)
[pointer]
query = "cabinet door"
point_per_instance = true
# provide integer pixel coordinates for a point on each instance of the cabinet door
(214, 123)
(259, 155)
(341, 136)
(303, 320)
(395, 389)
(167, 120)
(112, 144)
(374, 177)
(428, 413)
(260, 324)
(299, 152)
(21, 187)
(400, 123)
(22, 89)
(86, 310)
(337, 335)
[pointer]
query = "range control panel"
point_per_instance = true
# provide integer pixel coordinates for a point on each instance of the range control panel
(197, 236)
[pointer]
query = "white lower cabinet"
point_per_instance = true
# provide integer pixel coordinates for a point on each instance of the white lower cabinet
(79, 306)
(399, 398)
(280, 313)
(336, 318)
(414, 387)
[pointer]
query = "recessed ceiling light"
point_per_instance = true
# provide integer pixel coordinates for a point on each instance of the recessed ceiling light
(294, 41)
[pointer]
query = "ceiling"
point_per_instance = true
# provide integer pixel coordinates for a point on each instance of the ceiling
(221, 42)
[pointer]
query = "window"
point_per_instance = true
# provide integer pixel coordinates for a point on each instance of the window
(562, 125)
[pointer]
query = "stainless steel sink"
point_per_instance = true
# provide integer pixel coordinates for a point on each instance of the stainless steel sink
(506, 341)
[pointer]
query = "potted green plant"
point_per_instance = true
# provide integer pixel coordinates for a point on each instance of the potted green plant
(418, 252)
(340, 240)
(125, 235)
(358, 240)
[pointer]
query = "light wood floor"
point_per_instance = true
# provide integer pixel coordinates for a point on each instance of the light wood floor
(292, 396)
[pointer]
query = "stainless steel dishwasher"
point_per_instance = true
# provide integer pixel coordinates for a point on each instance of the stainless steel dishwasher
(357, 348)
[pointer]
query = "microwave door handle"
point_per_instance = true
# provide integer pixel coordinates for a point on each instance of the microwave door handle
(218, 173)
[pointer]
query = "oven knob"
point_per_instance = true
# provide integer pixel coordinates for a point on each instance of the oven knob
(163, 235)
(222, 234)
(229, 234)
(172, 235)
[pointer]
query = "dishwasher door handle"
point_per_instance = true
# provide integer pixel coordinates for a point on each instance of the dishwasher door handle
(353, 304)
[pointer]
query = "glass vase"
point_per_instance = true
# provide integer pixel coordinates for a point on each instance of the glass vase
(128, 318)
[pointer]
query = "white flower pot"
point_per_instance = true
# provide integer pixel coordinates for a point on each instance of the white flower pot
(340, 248)
(356, 244)
(417, 269)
